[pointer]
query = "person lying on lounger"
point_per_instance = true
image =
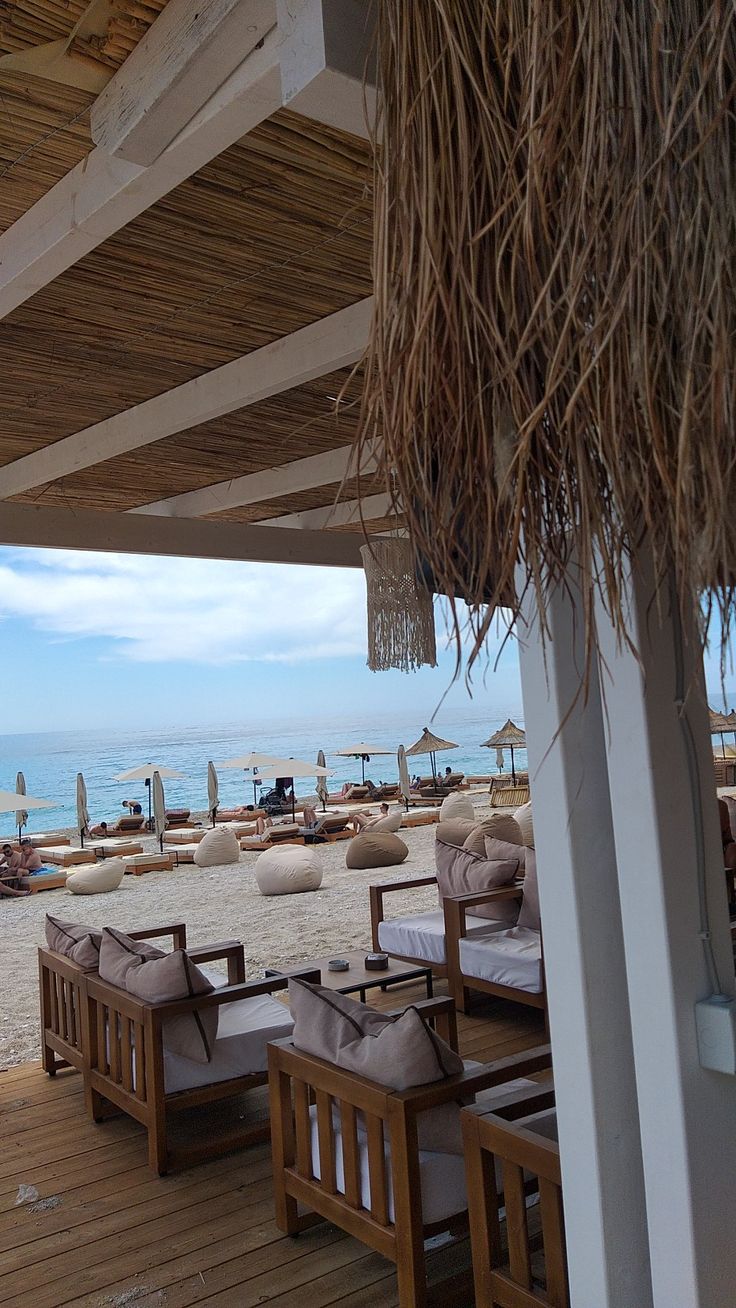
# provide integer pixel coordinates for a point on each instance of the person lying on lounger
(10, 873)
(364, 821)
(262, 825)
(99, 830)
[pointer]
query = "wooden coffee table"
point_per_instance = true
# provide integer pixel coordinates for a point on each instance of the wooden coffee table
(359, 978)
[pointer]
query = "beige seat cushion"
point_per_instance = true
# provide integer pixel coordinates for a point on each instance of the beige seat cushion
(98, 878)
(288, 870)
(79, 943)
(456, 805)
(500, 825)
(523, 816)
(375, 849)
(217, 846)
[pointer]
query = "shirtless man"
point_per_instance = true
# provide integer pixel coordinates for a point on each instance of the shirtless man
(364, 821)
(11, 870)
(30, 859)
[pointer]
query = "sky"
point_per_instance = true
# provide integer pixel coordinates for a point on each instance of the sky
(132, 641)
(136, 641)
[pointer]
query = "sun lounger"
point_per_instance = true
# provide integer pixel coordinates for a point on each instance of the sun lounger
(179, 817)
(504, 794)
(186, 836)
(38, 839)
(46, 880)
(115, 848)
(137, 864)
(68, 855)
(330, 827)
(239, 828)
(181, 853)
(421, 817)
(227, 815)
(128, 825)
(285, 833)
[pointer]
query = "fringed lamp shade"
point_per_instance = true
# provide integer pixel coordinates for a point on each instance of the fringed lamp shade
(549, 366)
(400, 610)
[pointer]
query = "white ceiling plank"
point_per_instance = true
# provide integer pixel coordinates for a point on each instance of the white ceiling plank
(255, 487)
(101, 194)
(327, 62)
(38, 526)
(323, 347)
(342, 514)
(184, 56)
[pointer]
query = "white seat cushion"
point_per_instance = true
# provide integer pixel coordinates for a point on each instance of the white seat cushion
(506, 958)
(423, 935)
(244, 1029)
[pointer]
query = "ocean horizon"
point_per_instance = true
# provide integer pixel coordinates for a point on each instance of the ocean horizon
(51, 760)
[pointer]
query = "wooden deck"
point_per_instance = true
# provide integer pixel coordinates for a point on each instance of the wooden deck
(103, 1230)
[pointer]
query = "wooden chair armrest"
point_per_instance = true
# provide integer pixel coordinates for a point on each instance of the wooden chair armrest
(519, 1103)
(455, 908)
(418, 1098)
(232, 950)
(381, 888)
(228, 994)
(177, 930)
(440, 1011)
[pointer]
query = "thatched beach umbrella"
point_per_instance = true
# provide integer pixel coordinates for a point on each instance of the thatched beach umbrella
(363, 751)
(82, 810)
(404, 778)
(21, 816)
(719, 723)
(145, 773)
(430, 744)
(159, 808)
(509, 737)
(322, 789)
(213, 791)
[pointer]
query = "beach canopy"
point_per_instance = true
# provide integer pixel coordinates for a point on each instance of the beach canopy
(213, 791)
(82, 810)
(404, 778)
(248, 761)
(21, 816)
(430, 744)
(508, 737)
(9, 800)
(322, 789)
(159, 808)
(363, 751)
(145, 773)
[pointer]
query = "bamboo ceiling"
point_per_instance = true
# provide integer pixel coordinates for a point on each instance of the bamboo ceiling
(28, 23)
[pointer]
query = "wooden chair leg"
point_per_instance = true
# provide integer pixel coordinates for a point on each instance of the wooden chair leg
(48, 1059)
(158, 1154)
(411, 1268)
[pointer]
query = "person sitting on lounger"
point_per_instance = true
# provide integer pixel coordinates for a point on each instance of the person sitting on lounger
(365, 820)
(10, 873)
(262, 825)
(30, 859)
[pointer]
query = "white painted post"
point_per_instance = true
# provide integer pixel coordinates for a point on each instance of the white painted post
(603, 1187)
(687, 1114)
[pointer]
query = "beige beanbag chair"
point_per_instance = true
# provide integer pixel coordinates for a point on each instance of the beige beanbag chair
(98, 878)
(288, 870)
(375, 849)
(216, 847)
(523, 816)
(456, 805)
(455, 831)
(391, 822)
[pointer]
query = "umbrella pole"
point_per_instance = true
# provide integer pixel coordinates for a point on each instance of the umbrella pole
(513, 771)
(433, 762)
(362, 768)
(723, 745)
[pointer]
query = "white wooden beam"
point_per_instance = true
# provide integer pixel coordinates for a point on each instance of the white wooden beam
(347, 513)
(327, 65)
(172, 72)
(322, 347)
(102, 194)
(37, 526)
(255, 487)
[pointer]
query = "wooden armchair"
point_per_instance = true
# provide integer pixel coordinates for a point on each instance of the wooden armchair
(347, 1149)
(510, 1151)
(507, 963)
(61, 991)
(129, 1068)
(418, 937)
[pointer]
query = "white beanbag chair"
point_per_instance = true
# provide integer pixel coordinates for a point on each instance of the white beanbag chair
(456, 805)
(523, 816)
(98, 878)
(218, 846)
(288, 870)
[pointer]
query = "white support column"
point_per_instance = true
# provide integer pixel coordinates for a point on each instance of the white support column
(590, 1026)
(662, 790)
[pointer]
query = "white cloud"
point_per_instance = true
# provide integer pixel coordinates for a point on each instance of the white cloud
(159, 610)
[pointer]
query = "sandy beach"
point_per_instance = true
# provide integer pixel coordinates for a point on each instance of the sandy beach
(216, 904)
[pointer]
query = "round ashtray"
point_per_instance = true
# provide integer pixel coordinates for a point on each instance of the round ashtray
(338, 965)
(376, 962)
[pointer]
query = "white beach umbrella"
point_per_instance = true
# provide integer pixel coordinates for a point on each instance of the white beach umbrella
(21, 816)
(10, 799)
(159, 808)
(322, 788)
(145, 772)
(82, 810)
(404, 778)
(288, 768)
(363, 751)
(213, 791)
(252, 762)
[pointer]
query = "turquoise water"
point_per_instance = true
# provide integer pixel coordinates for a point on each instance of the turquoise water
(50, 761)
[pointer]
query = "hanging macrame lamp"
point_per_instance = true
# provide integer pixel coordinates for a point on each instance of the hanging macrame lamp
(400, 611)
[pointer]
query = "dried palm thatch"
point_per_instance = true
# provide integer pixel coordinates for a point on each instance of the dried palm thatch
(549, 366)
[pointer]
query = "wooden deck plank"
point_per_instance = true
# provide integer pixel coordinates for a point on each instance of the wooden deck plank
(205, 1236)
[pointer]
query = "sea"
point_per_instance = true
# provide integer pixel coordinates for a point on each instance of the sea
(50, 761)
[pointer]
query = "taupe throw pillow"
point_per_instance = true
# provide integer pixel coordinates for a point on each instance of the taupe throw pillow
(500, 825)
(461, 873)
(118, 953)
(175, 976)
(529, 911)
(79, 943)
(455, 831)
